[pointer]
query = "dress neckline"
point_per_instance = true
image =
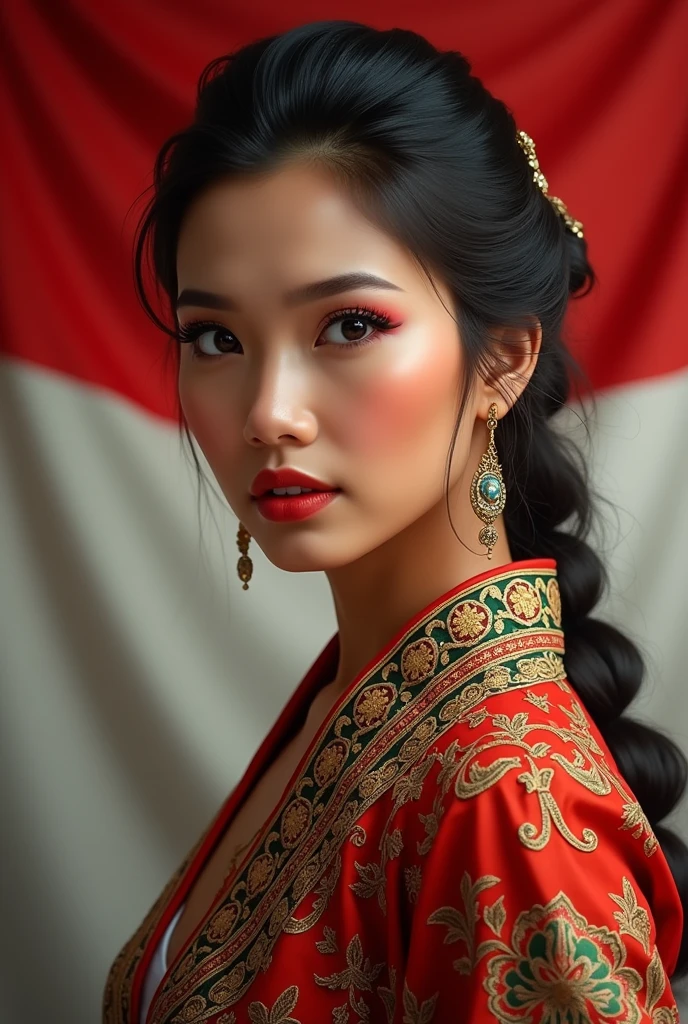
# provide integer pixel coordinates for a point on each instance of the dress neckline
(321, 671)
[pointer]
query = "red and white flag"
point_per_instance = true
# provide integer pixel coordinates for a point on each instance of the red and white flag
(137, 677)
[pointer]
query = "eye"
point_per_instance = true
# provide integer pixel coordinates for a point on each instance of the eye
(208, 340)
(211, 340)
(352, 323)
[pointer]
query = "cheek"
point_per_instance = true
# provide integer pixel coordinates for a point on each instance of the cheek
(208, 413)
(410, 399)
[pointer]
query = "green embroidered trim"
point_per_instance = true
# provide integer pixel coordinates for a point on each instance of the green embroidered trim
(502, 635)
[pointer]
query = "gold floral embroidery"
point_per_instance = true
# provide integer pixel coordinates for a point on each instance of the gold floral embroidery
(222, 923)
(419, 660)
(415, 1014)
(358, 835)
(359, 974)
(469, 621)
(461, 925)
(413, 877)
(388, 994)
(655, 983)
(418, 741)
(497, 677)
(220, 993)
(295, 821)
(372, 876)
(632, 918)
(410, 786)
(260, 874)
(476, 718)
(328, 943)
(634, 818)
(371, 883)
(548, 666)
(538, 700)
(330, 762)
(281, 1010)
(556, 966)
(554, 599)
(472, 776)
(445, 777)
(373, 706)
(522, 600)
(585, 975)
(323, 893)
(192, 1009)
(494, 916)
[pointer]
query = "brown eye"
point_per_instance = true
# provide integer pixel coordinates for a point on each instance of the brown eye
(353, 329)
(216, 342)
(208, 340)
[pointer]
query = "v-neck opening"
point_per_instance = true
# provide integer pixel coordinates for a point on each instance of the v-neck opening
(294, 713)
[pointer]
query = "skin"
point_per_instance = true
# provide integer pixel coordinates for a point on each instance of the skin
(375, 421)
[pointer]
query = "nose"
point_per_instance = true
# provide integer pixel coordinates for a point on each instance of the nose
(279, 409)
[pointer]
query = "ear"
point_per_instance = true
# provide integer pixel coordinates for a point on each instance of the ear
(509, 365)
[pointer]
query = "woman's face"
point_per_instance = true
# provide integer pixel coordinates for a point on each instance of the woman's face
(276, 386)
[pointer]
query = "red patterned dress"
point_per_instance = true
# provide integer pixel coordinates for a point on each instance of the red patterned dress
(456, 844)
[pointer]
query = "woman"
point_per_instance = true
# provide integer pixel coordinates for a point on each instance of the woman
(451, 819)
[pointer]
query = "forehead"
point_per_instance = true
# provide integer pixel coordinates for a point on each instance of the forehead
(298, 223)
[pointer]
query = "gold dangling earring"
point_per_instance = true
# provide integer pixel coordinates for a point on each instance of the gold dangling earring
(488, 493)
(244, 565)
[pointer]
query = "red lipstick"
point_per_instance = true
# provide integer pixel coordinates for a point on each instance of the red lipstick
(290, 507)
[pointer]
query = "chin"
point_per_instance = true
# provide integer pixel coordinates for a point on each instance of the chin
(308, 555)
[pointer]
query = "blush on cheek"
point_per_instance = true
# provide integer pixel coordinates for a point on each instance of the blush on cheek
(206, 416)
(399, 403)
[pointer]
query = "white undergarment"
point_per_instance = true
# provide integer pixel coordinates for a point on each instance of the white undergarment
(157, 968)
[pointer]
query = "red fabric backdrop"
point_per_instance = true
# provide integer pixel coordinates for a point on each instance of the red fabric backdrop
(91, 90)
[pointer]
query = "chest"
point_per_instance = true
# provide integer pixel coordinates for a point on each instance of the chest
(246, 823)
(353, 922)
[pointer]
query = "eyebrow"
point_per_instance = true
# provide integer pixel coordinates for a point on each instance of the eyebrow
(297, 296)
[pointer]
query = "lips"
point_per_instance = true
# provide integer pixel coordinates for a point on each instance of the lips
(268, 479)
(291, 508)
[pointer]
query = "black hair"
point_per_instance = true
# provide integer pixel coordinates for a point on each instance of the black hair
(433, 157)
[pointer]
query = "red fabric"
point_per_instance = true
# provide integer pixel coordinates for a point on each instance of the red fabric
(90, 91)
(478, 853)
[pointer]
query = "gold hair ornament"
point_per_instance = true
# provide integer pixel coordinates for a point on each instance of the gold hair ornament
(488, 493)
(528, 147)
(244, 565)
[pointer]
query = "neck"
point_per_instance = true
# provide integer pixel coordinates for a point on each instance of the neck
(375, 595)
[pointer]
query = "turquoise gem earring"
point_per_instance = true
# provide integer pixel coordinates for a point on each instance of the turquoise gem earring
(488, 493)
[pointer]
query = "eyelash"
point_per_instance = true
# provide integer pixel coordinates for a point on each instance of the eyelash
(191, 332)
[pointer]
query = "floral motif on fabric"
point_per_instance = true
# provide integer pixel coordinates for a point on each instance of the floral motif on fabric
(556, 967)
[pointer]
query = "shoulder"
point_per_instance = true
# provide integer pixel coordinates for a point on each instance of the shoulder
(527, 826)
(531, 760)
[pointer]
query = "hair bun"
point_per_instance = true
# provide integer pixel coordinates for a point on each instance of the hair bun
(581, 274)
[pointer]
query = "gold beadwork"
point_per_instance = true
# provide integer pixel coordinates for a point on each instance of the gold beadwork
(244, 565)
(488, 493)
(528, 147)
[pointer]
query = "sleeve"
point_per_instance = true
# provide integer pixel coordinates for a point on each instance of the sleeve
(537, 871)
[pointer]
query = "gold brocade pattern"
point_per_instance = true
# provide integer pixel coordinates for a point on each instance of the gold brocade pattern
(375, 740)
(470, 775)
(279, 1013)
(581, 975)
